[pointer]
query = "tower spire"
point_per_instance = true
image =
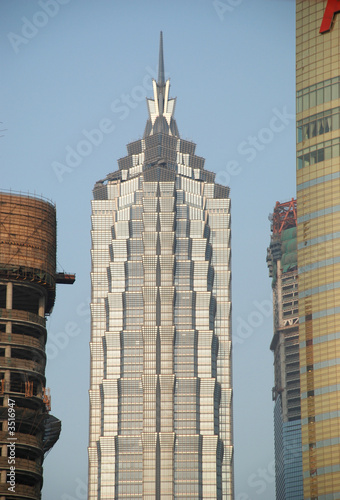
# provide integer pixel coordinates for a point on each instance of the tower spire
(161, 79)
(161, 107)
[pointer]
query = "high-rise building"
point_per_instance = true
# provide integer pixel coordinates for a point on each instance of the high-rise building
(161, 388)
(27, 293)
(282, 263)
(318, 242)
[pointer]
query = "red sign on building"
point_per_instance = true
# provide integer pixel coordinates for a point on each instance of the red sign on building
(332, 7)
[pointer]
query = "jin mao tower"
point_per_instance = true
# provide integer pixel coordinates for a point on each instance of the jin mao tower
(161, 387)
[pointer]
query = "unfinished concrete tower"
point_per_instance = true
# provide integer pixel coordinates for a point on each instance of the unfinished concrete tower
(282, 263)
(27, 294)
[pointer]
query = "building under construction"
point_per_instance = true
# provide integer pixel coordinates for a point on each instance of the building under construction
(282, 263)
(27, 293)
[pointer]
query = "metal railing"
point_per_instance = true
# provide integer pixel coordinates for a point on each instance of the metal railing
(22, 490)
(16, 315)
(23, 340)
(22, 364)
(21, 464)
(24, 439)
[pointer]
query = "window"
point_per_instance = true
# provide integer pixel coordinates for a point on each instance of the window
(319, 93)
(315, 125)
(316, 154)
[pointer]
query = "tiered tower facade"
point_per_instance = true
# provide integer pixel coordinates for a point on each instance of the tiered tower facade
(161, 388)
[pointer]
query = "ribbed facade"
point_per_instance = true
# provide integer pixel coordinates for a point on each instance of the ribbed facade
(318, 237)
(161, 390)
(280, 490)
(288, 456)
(292, 460)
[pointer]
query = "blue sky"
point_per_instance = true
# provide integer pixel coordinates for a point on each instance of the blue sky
(79, 69)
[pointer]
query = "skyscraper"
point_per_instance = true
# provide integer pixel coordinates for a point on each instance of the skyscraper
(282, 263)
(27, 293)
(161, 389)
(318, 242)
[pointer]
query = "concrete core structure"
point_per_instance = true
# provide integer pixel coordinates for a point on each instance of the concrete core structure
(27, 293)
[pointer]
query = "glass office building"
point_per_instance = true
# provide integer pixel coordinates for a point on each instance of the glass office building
(318, 242)
(161, 388)
(288, 456)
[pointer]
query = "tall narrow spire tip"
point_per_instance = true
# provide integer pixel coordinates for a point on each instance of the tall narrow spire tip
(161, 78)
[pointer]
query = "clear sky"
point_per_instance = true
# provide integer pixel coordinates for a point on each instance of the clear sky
(79, 70)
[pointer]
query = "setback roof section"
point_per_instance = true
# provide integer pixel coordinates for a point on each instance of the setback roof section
(161, 145)
(158, 171)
